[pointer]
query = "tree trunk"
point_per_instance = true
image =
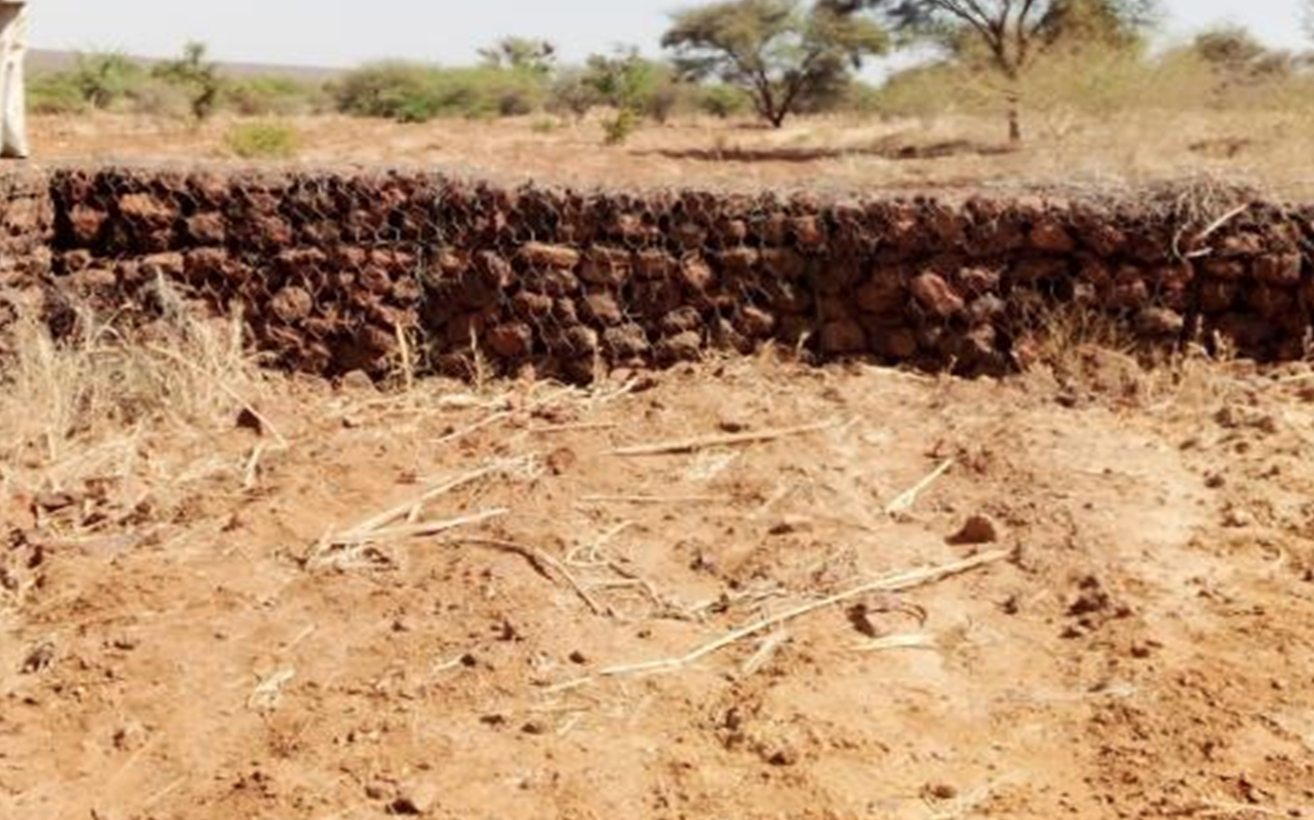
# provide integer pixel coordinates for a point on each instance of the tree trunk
(1014, 98)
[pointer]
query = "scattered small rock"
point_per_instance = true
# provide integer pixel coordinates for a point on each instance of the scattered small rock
(561, 460)
(940, 791)
(790, 524)
(356, 381)
(414, 799)
(378, 790)
(979, 529)
(1238, 518)
(536, 727)
(578, 657)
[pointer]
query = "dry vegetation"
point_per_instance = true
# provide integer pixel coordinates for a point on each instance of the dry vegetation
(1266, 148)
(228, 594)
(741, 588)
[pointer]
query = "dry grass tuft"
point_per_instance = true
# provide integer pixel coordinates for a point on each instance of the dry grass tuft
(98, 406)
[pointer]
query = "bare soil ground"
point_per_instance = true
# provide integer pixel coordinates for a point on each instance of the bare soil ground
(1269, 149)
(181, 639)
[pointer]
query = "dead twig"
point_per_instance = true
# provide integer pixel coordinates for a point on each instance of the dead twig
(908, 500)
(653, 499)
(542, 563)
(728, 440)
(420, 530)
(572, 428)
(891, 583)
(911, 640)
(265, 423)
(411, 508)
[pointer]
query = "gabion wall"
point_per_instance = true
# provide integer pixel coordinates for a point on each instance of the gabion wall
(332, 270)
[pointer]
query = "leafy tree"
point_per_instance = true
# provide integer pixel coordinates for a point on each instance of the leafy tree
(1114, 24)
(783, 54)
(196, 74)
(105, 78)
(1238, 57)
(1010, 32)
(521, 54)
(574, 93)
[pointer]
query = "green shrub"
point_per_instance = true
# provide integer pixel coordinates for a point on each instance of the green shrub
(56, 93)
(723, 101)
(621, 127)
(416, 93)
(263, 140)
(270, 96)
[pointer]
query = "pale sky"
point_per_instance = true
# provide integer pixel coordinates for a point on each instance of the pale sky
(347, 32)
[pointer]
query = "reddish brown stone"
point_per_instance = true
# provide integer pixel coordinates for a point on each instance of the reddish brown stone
(163, 266)
(540, 255)
(1051, 237)
(146, 210)
(784, 263)
(1281, 270)
(511, 340)
(607, 266)
(626, 341)
(883, 293)
(1228, 269)
(843, 337)
(207, 228)
(807, 231)
(682, 347)
(696, 273)
(535, 305)
(755, 322)
(935, 296)
(654, 264)
(292, 304)
(86, 223)
(601, 307)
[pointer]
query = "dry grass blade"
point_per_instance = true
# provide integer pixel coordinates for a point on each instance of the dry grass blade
(573, 428)
(405, 510)
(223, 387)
(268, 693)
(543, 563)
(891, 583)
(911, 640)
(420, 530)
(908, 500)
(728, 440)
(654, 500)
(770, 646)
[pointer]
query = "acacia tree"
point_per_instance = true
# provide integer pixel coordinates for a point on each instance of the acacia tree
(537, 57)
(1012, 32)
(197, 75)
(784, 54)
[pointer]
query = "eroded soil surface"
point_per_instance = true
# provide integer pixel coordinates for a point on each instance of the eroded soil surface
(1147, 649)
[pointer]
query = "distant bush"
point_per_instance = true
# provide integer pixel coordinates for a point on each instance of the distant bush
(723, 101)
(271, 96)
(263, 140)
(195, 75)
(56, 93)
(409, 92)
(1102, 82)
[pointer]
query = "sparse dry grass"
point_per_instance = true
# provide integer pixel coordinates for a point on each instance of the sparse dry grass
(1068, 149)
(102, 409)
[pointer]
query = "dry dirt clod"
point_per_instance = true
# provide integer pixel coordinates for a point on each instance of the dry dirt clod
(979, 529)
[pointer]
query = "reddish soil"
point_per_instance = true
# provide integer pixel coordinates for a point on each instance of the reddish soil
(1147, 651)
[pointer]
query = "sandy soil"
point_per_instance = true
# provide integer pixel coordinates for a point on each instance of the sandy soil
(1270, 149)
(1145, 650)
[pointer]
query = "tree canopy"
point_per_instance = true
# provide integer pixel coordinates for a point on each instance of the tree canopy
(1011, 33)
(785, 54)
